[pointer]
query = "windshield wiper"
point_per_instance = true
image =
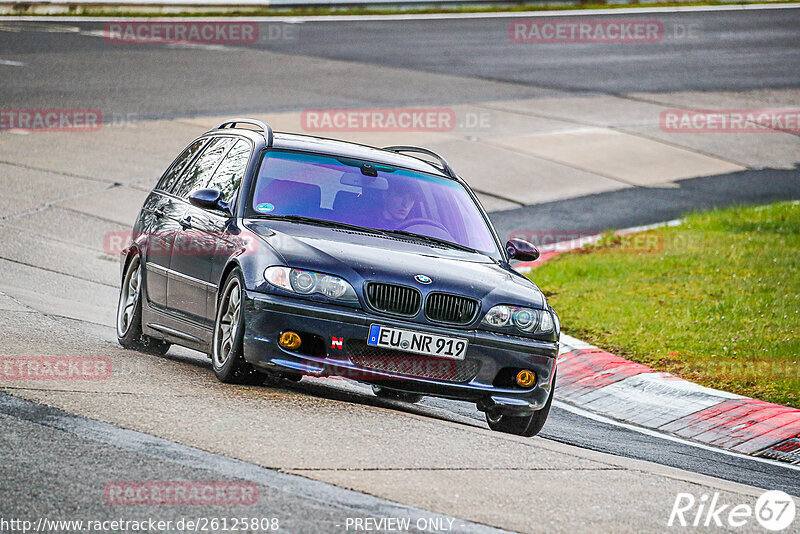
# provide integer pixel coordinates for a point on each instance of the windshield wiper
(411, 236)
(433, 240)
(323, 222)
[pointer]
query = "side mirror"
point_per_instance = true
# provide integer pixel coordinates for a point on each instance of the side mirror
(209, 199)
(519, 249)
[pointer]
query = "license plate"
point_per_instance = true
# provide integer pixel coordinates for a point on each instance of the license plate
(417, 342)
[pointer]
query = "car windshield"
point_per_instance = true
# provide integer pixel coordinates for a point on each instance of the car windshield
(371, 195)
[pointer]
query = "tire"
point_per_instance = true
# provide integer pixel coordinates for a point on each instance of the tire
(227, 353)
(528, 425)
(393, 394)
(129, 313)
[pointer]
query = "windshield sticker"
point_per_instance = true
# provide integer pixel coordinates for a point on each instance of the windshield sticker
(265, 207)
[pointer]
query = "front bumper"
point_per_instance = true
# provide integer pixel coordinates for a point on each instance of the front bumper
(340, 333)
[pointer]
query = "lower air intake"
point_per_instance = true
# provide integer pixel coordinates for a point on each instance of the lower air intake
(412, 365)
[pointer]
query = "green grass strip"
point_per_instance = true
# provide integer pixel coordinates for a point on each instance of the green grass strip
(715, 300)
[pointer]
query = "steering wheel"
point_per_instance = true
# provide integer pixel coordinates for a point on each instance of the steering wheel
(421, 221)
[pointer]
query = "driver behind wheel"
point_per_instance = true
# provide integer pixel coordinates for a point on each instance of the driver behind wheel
(398, 202)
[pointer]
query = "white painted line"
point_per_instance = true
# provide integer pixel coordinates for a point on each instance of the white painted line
(646, 227)
(403, 17)
(570, 343)
(12, 63)
(654, 433)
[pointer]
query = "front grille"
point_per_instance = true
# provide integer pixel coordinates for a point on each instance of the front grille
(394, 299)
(446, 308)
(412, 365)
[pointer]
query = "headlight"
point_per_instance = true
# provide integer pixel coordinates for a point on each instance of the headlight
(525, 320)
(498, 316)
(309, 283)
(547, 322)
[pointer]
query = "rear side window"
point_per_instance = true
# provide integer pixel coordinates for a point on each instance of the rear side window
(171, 176)
(199, 173)
(231, 171)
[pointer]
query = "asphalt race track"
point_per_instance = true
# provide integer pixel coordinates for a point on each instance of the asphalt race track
(325, 450)
(430, 61)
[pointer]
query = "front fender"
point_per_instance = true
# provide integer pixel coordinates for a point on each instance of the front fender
(253, 259)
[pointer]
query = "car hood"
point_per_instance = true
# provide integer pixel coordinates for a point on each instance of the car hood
(361, 257)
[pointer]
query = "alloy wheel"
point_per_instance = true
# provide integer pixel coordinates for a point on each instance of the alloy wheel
(129, 297)
(228, 323)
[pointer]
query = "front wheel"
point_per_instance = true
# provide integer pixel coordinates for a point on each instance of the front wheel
(129, 313)
(526, 425)
(227, 353)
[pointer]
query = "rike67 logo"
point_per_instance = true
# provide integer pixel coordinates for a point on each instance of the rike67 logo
(774, 511)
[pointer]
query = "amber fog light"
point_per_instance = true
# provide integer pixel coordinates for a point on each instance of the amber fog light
(290, 340)
(525, 378)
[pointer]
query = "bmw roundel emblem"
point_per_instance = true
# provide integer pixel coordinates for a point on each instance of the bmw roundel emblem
(422, 279)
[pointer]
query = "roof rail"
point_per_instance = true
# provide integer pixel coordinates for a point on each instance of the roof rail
(419, 150)
(266, 129)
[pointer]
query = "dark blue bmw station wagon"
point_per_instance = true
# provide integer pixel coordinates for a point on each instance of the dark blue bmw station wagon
(289, 255)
